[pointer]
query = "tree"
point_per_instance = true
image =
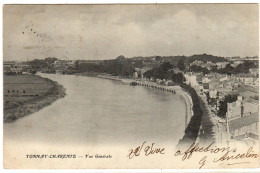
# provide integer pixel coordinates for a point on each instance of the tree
(169, 75)
(165, 66)
(195, 68)
(223, 104)
(214, 69)
(161, 72)
(181, 65)
(158, 58)
(77, 65)
(148, 74)
(207, 96)
(181, 78)
(50, 60)
(175, 78)
(178, 78)
(120, 58)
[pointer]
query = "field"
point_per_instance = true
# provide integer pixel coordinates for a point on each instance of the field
(21, 88)
(25, 94)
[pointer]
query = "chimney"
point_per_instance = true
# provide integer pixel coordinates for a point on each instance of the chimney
(238, 104)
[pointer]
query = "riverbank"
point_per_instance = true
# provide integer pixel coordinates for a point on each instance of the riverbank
(192, 130)
(207, 132)
(189, 105)
(26, 94)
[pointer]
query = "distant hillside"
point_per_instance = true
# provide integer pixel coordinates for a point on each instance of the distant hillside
(187, 59)
(205, 57)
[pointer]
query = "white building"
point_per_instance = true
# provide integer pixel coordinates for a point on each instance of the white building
(191, 79)
(213, 93)
(221, 64)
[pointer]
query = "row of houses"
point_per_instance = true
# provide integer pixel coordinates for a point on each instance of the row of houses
(63, 66)
(209, 65)
(243, 119)
(58, 66)
(242, 115)
(218, 82)
(16, 67)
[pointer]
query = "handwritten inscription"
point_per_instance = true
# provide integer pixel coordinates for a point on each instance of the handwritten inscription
(218, 154)
(226, 153)
(227, 156)
(196, 148)
(146, 150)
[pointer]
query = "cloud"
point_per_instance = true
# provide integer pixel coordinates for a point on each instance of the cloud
(106, 31)
(31, 47)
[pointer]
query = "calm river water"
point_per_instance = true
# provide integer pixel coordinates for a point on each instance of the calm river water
(99, 111)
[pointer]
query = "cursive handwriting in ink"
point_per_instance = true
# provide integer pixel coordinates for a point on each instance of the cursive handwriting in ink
(147, 150)
(202, 161)
(195, 147)
(227, 156)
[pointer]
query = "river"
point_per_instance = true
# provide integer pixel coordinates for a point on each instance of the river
(99, 112)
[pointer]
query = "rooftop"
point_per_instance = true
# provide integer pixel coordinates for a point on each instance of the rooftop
(243, 121)
(245, 75)
(205, 86)
(253, 101)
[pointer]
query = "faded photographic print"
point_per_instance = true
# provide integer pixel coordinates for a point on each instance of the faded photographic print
(131, 86)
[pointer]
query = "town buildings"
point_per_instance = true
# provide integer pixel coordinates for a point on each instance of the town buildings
(63, 66)
(244, 128)
(242, 116)
(221, 65)
(193, 79)
(242, 119)
(16, 67)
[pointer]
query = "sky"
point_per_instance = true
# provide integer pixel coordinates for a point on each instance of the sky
(95, 32)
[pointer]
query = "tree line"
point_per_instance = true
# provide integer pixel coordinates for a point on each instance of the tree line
(228, 69)
(116, 67)
(165, 71)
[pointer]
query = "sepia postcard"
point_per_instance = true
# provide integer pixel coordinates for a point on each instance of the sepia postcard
(131, 86)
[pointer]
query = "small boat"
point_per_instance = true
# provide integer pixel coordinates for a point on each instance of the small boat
(133, 83)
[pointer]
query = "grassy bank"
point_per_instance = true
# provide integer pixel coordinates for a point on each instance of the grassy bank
(192, 130)
(26, 94)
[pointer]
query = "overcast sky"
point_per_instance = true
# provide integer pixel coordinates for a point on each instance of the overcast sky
(107, 31)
